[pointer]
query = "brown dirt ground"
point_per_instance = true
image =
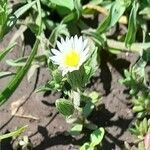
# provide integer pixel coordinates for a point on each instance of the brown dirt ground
(49, 132)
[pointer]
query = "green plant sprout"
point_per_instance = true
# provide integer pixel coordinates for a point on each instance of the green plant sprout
(95, 139)
(24, 143)
(71, 59)
(141, 129)
(13, 134)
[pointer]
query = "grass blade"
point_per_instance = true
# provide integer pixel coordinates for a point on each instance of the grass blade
(8, 49)
(23, 9)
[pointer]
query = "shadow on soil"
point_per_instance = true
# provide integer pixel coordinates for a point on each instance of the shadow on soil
(6, 144)
(105, 75)
(103, 118)
(58, 139)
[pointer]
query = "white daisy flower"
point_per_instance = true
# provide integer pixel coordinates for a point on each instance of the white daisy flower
(71, 54)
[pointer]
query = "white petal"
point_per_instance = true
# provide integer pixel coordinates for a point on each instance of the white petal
(67, 39)
(56, 59)
(86, 51)
(75, 40)
(69, 44)
(59, 45)
(70, 69)
(72, 42)
(64, 70)
(78, 45)
(85, 43)
(84, 57)
(62, 40)
(55, 51)
(81, 40)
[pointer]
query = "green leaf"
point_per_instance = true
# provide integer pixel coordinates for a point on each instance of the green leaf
(74, 15)
(95, 96)
(60, 30)
(141, 146)
(146, 55)
(57, 76)
(145, 125)
(55, 84)
(15, 63)
(88, 108)
(12, 18)
(91, 126)
(70, 17)
(139, 69)
(4, 14)
(75, 79)
(78, 7)
(96, 2)
(97, 136)
(131, 33)
(127, 2)
(91, 66)
(116, 11)
(96, 37)
(64, 3)
(5, 74)
(18, 13)
(43, 89)
(5, 51)
(145, 11)
(138, 108)
(65, 107)
(14, 133)
(114, 51)
(86, 146)
(22, 60)
(141, 114)
(76, 129)
(33, 27)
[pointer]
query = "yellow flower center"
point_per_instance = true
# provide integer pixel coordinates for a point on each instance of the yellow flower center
(72, 58)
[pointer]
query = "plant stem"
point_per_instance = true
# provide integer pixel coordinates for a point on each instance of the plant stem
(135, 47)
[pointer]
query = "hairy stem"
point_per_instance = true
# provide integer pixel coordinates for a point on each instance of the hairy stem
(135, 47)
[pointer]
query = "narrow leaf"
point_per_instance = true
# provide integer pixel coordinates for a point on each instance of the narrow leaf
(131, 33)
(5, 51)
(23, 9)
(116, 11)
(14, 133)
(65, 3)
(5, 74)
